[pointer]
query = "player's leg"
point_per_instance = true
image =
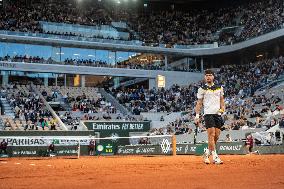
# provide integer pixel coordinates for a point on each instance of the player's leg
(211, 145)
(209, 124)
(216, 158)
(211, 138)
(217, 134)
(217, 128)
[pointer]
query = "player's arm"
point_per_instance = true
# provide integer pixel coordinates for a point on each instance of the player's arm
(198, 107)
(222, 101)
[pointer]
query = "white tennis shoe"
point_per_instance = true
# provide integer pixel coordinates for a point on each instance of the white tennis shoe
(206, 156)
(217, 160)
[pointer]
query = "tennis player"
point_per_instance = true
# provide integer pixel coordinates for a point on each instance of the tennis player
(211, 97)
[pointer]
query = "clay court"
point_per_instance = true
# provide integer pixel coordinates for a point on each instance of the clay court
(246, 171)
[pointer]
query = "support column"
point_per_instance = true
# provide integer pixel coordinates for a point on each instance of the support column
(187, 62)
(56, 80)
(5, 77)
(152, 83)
(201, 65)
(116, 82)
(64, 80)
(83, 80)
(45, 80)
(166, 62)
(115, 57)
(195, 63)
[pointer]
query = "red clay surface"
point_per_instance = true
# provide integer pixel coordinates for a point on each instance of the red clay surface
(247, 171)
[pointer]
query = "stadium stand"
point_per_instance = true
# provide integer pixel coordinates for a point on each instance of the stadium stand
(157, 27)
(244, 109)
(29, 110)
(148, 63)
(240, 80)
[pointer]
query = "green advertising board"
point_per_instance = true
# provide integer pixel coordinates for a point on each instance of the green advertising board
(200, 148)
(116, 129)
(42, 151)
(35, 143)
(118, 126)
(276, 149)
(181, 149)
(223, 148)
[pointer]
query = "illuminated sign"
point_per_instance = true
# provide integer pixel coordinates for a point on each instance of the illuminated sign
(161, 80)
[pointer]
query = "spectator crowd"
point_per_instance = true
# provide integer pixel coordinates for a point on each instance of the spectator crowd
(190, 27)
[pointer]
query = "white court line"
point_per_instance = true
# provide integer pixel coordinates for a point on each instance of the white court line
(4, 162)
(17, 163)
(32, 164)
(48, 165)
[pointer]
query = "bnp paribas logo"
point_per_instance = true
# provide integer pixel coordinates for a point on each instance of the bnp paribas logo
(166, 146)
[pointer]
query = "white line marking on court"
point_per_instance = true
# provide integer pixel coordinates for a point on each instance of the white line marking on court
(48, 165)
(4, 162)
(32, 164)
(17, 163)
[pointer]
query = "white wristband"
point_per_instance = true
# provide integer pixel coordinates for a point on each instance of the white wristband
(197, 116)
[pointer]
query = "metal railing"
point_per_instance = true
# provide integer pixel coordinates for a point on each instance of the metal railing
(113, 101)
(59, 121)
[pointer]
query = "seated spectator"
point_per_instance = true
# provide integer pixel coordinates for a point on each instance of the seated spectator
(3, 147)
(249, 143)
(228, 138)
(91, 147)
(51, 149)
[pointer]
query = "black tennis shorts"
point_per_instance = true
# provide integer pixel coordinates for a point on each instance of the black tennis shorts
(213, 120)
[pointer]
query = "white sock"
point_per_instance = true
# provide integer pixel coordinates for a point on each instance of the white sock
(214, 154)
(207, 152)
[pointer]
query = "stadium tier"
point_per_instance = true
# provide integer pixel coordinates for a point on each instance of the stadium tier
(185, 27)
